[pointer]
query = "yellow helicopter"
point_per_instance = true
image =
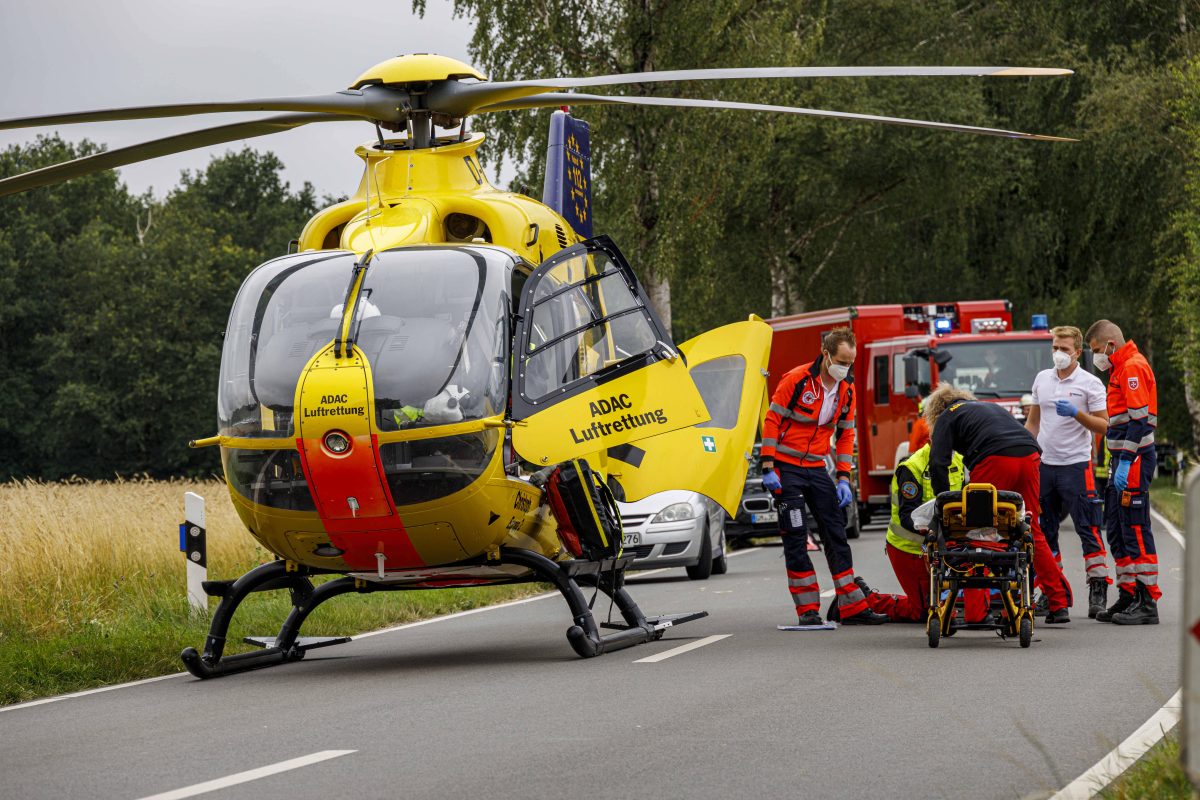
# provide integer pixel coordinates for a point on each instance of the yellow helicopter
(400, 396)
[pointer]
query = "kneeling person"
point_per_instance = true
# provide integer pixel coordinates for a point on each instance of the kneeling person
(910, 488)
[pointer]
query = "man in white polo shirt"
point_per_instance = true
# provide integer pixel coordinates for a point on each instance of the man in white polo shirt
(1069, 407)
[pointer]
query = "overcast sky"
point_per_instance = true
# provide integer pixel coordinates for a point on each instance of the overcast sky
(75, 55)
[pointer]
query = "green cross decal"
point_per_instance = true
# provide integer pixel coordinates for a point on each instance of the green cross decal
(710, 444)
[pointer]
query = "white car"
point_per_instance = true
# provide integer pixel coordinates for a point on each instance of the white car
(676, 529)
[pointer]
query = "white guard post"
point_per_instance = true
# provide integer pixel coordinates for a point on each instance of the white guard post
(192, 536)
(1191, 630)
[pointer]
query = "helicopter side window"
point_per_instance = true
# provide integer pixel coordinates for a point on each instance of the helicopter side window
(585, 318)
(720, 384)
(281, 318)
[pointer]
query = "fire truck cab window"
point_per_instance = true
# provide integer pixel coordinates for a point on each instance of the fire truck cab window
(903, 368)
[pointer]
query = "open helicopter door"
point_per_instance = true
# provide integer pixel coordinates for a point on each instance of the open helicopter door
(729, 365)
(594, 367)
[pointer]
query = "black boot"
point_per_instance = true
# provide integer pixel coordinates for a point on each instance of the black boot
(1124, 601)
(1058, 617)
(834, 614)
(1144, 611)
(1097, 596)
(810, 618)
(865, 617)
(1041, 606)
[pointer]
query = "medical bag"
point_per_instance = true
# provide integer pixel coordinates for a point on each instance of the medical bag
(589, 522)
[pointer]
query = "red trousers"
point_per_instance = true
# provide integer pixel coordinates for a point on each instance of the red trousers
(1022, 474)
(913, 606)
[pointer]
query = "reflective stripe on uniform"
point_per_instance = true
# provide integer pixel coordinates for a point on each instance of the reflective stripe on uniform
(905, 533)
(1095, 566)
(846, 425)
(788, 451)
(804, 600)
(769, 442)
(805, 591)
(783, 412)
(1138, 413)
(851, 599)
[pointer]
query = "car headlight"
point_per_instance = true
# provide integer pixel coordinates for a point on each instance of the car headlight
(676, 512)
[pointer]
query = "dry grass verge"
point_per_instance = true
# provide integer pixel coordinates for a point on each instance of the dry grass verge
(92, 585)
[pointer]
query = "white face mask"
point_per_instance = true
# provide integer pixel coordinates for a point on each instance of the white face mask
(1061, 360)
(1101, 360)
(838, 371)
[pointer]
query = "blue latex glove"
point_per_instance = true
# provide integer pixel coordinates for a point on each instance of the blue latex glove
(1120, 475)
(845, 496)
(1065, 408)
(771, 481)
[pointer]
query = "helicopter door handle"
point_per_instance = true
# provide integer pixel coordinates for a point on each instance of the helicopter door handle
(534, 230)
(504, 423)
(666, 351)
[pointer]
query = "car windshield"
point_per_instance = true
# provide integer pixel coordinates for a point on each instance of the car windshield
(1004, 369)
(432, 323)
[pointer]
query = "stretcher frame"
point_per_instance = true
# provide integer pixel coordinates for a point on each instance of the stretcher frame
(957, 562)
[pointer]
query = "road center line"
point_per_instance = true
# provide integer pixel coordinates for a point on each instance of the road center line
(249, 775)
(1107, 769)
(683, 648)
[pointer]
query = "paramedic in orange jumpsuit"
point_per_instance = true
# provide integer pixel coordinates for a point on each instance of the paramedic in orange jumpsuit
(812, 412)
(1132, 417)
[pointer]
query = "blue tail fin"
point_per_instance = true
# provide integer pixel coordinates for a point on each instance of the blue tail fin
(568, 188)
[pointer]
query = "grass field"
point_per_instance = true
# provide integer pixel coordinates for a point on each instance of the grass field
(92, 585)
(1157, 775)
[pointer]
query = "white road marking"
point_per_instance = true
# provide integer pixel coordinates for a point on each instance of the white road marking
(1126, 753)
(248, 775)
(675, 651)
(1107, 769)
(55, 699)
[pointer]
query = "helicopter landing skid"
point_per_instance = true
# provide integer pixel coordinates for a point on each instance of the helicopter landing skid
(288, 645)
(585, 636)
(609, 577)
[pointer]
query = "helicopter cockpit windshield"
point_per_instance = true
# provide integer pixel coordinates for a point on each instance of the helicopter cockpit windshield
(431, 321)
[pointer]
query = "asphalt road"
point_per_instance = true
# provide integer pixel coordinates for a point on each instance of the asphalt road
(496, 704)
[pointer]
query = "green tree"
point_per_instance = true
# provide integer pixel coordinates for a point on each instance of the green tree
(120, 303)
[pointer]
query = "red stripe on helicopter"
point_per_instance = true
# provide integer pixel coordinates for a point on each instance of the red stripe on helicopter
(370, 524)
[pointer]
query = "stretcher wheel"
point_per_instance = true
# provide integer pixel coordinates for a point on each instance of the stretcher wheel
(933, 627)
(1026, 635)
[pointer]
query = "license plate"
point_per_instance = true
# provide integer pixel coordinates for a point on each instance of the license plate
(631, 540)
(764, 517)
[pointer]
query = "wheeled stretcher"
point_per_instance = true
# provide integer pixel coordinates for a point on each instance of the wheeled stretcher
(979, 538)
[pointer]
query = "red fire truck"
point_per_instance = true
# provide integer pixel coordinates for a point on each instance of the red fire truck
(903, 352)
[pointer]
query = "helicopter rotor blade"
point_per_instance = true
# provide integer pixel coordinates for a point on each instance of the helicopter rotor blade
(555, 99)
(460, 99)
(370, 102)
(161, 147)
